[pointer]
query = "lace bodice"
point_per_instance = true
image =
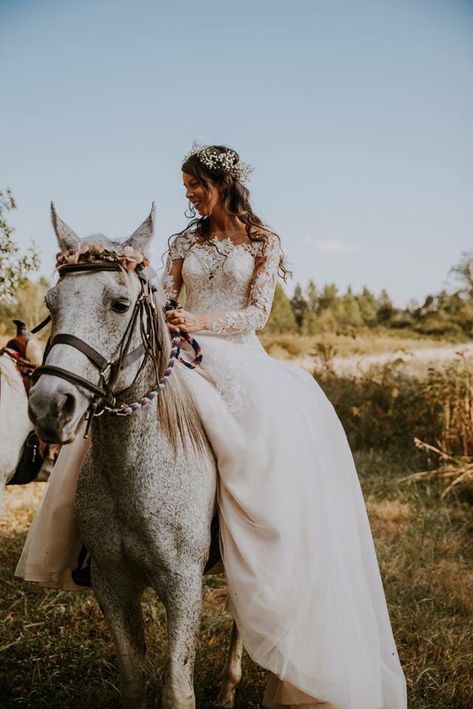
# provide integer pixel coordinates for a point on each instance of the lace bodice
(232, 284)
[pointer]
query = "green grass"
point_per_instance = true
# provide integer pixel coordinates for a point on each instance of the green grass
(56, 651)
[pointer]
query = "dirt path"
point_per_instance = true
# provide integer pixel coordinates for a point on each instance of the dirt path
(414, 358)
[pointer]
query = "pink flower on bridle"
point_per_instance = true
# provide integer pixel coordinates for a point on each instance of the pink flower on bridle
(130, 259)
(133, 259)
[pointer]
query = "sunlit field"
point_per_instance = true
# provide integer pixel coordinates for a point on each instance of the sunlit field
(353, 354)
(56, 650)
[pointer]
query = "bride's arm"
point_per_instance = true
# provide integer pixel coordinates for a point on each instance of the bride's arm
(171, 281)
(253, 317)
(260, 299)
(261, 293)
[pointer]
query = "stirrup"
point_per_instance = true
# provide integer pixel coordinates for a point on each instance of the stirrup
(81, 575)
(29, 463)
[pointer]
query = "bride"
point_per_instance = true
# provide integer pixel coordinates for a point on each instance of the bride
(300, 564)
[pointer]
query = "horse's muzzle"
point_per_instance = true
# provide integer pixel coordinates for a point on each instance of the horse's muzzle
(54, 410)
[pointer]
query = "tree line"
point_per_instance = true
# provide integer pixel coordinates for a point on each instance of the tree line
(313, 309)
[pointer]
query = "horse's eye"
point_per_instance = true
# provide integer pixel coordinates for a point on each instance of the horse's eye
(120, 306)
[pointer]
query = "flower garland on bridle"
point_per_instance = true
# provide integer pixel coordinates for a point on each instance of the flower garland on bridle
(130, 259)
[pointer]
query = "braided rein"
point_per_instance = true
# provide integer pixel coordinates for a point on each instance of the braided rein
(128, 409)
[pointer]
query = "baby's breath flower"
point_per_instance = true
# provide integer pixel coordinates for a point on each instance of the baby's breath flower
(226, 160)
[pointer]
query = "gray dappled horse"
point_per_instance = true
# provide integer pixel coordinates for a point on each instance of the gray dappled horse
(146, 491)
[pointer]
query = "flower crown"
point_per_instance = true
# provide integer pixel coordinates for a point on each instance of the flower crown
(88, 253)
(226, 160)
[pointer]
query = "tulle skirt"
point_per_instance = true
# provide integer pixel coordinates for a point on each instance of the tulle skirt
(303, 579)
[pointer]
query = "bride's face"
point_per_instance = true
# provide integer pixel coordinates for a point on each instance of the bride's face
(204, 199)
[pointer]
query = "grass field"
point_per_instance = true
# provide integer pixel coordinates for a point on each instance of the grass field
(354, 354)
(360, 342)
(55, 649)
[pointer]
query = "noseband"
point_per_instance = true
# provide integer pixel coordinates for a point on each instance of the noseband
(144, 316)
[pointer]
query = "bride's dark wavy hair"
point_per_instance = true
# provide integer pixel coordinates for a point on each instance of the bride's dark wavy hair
(235, 198)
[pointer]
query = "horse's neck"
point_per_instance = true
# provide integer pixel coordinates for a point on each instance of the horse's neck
(118, 442)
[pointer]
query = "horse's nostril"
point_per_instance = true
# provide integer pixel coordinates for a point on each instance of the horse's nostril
(69, 406)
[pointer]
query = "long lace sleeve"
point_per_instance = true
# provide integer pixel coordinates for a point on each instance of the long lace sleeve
(171, 281)
(255, 315)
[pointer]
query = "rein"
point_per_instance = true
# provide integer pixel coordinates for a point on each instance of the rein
(143, 316)
(127, 409)
(24, 365)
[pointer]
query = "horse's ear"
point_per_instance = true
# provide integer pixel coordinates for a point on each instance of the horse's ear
(67, 239)
(141, 238)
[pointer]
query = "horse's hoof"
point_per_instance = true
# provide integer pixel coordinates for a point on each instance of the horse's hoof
(170, 701)
(226, 698)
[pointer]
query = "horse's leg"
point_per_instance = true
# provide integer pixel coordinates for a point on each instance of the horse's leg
(121, 607)
(232, 672)
(183, 601)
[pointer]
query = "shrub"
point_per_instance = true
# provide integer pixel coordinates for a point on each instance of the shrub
(385, 407)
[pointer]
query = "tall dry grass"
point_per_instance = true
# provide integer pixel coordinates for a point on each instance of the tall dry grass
(454, 449)
(429, 418)
(362, 342)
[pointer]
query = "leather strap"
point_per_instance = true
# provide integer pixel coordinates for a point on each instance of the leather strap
(92, 266)
(42, 324)
(63, 338)
(69, 377)
(133, 356)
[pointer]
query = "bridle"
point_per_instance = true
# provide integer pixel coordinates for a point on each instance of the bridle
(25, 367)
(144, 316)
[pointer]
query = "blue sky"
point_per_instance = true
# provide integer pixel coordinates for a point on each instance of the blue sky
(356, 116)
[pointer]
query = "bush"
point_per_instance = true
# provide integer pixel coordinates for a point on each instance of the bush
(386, 408)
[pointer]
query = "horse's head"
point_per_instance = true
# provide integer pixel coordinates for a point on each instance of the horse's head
(98, 300)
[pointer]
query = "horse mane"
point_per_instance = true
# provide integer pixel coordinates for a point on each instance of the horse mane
(178, 415)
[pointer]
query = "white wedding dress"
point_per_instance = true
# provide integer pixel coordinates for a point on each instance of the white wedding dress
(300, 564)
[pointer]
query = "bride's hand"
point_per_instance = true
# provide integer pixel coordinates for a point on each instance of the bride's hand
(180, 319)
